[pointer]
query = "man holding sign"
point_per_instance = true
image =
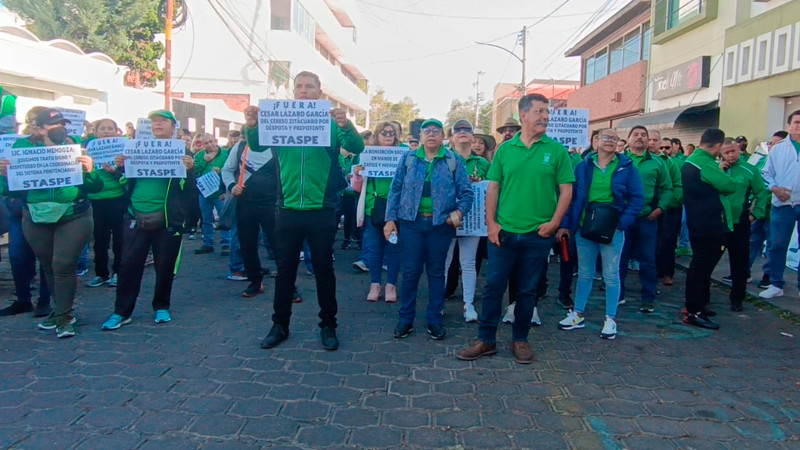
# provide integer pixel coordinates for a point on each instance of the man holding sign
(57, 219)
(309, 180)
(155, 219)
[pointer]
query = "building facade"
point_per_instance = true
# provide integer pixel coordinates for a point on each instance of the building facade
(241, 51)
(761, 70)
(614, 66)
(506, 97)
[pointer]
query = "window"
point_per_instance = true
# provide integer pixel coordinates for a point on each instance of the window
(680, 11)
(615, 63)
(647, 35)
(633, 44)
(762, 55)
(746, 60)
(729, 72)
(280, 14)
(303, 23)
(589, 77)
(601, 64)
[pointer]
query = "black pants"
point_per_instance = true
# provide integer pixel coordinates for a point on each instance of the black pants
(166, 247)
(483, 253)
(293, 227)
(738, 244)
(566, 271)
(453, 273)
(351, 230)
(669, 229)
(109, 219)
(194, 214)
(250, 220)
(706, 252)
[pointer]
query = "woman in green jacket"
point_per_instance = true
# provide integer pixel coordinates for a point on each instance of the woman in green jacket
(108, 209)
(57, 222)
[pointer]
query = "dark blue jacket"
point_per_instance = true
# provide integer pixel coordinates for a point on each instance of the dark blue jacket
(626, 187)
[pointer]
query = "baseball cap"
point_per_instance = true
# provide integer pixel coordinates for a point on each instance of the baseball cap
(430, 122)
(50, 116)
(163, 113)
(741, 139)
(462, 123)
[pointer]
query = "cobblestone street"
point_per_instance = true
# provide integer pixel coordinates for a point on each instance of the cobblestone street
(201, 381)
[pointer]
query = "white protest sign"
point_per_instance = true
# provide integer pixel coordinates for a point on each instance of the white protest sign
(103, 151)
(474, 223)
(208, 183)
(143, 130)
(155, 158)
(76, 118)
(7, 141)
(381, 162)
(569, 126)
(44, 167)
(294, 123)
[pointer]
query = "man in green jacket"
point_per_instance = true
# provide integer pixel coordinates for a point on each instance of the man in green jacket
(309, 182)
(641, 238)
(669, 223)
(211, 159)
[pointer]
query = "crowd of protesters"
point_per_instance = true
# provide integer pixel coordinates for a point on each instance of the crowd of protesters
(630, 202)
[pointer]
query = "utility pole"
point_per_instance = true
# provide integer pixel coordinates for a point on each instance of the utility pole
(168, 55)
(478, 98)
(524, 37)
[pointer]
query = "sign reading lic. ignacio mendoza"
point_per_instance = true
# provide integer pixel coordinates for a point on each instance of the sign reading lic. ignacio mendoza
(688, 77)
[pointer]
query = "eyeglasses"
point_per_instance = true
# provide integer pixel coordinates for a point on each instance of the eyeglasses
(508, 130)
(387, 133)
(435, 131)
(605, 138)
(462, 130)
(668, 147)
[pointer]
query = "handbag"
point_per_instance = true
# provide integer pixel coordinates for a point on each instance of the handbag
(600, 222)
(151, 221)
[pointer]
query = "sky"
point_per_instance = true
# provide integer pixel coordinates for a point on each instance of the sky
(426, 50)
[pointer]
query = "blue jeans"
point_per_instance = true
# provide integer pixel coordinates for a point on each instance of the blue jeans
(610, 255)
(207, 206)
(23, 264)
(83, 260)
(423, 245)
(683, 240)
(527, 254)
(782, 223)
(640, 244)
(235, 262)
(759, 234)
(378, 248)
(366, 246)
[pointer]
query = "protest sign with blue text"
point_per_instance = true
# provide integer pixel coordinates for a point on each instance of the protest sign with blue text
(294, 123)
(381, 162)
(155, 158)
(76, 118)
(103, 151)
(44, 167)
(569, 126)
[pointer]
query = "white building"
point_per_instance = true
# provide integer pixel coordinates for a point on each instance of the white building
(240, 51)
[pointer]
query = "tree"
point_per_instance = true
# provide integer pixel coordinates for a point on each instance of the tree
(382, 109)
(122, 29)
(465, 109)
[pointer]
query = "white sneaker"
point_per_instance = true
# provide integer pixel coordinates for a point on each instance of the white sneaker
(771, 292)
(470, 315)
(535, 320)
(509, 317)
(609, 329)
(572, 321)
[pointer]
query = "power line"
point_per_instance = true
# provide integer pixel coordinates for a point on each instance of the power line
(452, 16)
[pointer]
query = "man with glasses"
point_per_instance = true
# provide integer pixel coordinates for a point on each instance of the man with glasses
(211, 159)
(529, 192)
(669, 224)
(509, 129)
(641, 238)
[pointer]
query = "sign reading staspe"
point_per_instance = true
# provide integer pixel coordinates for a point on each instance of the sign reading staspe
(155, 158)
(44, 167)
(294, 123)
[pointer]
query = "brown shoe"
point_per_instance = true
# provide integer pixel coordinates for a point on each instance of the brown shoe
(522, 353)
(668, 281)
(478, 349)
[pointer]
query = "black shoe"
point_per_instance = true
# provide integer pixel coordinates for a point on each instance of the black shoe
(727, 279)
(203, 250)
(709, 313)
(737, 307)
(17, 308)
(42, 309)
(566, 301)
(702, 321)
(403, 329)
(226, 250)
(253, 289)
(437, 332)
(329, 339)
(277, 334)
(345, 245)
(541, 292)
(358, 245)
(765, 282)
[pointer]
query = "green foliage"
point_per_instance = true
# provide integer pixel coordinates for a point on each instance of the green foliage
(382, 109)
(122, 29)
(465, 109)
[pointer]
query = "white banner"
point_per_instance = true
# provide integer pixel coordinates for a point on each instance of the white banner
(474, 223)
(143, 130)
(569, 126)
(381, 162)
(155, 158)
(7, 141)
(76, 117)
(103, 151)
(44, 167)
(208, 183)
(294, 123)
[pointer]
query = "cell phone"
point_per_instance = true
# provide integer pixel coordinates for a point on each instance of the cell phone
(503, 238)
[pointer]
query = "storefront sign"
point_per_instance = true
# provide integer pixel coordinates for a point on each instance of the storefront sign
(687, 77)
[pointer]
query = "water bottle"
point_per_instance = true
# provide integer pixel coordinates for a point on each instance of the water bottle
(393, 238)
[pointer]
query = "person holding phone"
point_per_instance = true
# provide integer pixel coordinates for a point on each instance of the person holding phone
(529, 192)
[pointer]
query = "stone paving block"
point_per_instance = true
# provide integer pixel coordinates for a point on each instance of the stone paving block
(431, 438)
(432, 375)
(206, 405)
(14, 382)
(228, 444)
(244, 389)
(14, 415)
(390, 370)
(706, 444)
(10, 399)
(321, 380)
(620, 408)
(454, 388)
(52, 439)
(366, 382)
(406, 418)
(270, 428)
(483, 403)
(665, 428)
(305, 410)
(759, 431)
(714, 412)
(149, 384)
(115, 439)
(273, 378)
(485, 439)
(558, 423)
(409, 388)
(433, 402)
(330, 435)
(223, 362)
(290, 393)
(355, 417)
(539, 440)
(255, 407)
(457, 419)
(385, 401)
(648, 442)
(156, 402)
(710, 430)
(53, 417)
(573, 407)
(338, 395)
(171, 443)
(506, 421)
(347, 368)
(158, 422)
(376, 437)
(114, 417)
